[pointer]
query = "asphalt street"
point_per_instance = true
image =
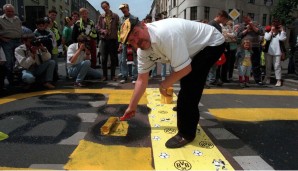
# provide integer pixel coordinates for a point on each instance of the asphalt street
(252, 128)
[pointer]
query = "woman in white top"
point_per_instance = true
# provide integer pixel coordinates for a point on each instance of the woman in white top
(275, 36)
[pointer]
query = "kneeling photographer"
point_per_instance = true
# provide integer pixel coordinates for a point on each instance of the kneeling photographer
(35, 61)
(78, 61)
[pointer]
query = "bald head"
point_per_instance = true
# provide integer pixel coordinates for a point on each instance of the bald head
(8, 10)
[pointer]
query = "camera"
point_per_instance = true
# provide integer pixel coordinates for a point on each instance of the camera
(36, 42)
(87, 45)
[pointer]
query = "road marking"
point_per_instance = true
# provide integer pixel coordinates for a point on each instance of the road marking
(198, 155)
(93, 156)
(255, 114)
(74, 139)
(252, 92)
(88, 117)
(47, 166)
(252, 163)
(115, 96)
(222, 134)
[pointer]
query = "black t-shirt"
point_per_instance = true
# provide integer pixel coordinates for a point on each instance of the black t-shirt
(216, 25)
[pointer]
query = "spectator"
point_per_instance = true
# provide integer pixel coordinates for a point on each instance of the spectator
(252, 31)
(75, 16)
(244, 62)
(214, 76)
(10, 34)
(148, 19)
(34, 60)
(108, 24)
(123, 48)
(85, 26)
(78, 61)
(67, 32)
(49, 25)
(275, 37)
(46, 37)
(231, 47)
(200, 46)
(52, 14)
(293, 42)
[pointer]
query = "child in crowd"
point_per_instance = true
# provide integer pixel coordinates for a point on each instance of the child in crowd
(244, 62)
(130, 61)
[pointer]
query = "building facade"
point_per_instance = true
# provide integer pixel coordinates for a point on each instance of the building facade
(30, 10)
(258, 10)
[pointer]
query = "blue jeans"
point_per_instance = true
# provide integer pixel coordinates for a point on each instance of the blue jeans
(46, 68)
(82, 69)
(123, 61)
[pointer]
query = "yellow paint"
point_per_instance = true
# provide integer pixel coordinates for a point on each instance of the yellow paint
(255, 114)
(252, 92)
(92, 156)
(106, 128)
(115, 96)
(163, 122)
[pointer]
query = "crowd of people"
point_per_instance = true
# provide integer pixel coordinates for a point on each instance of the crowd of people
(20, 49)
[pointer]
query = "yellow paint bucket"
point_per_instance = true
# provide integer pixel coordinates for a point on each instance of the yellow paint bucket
(167, 100)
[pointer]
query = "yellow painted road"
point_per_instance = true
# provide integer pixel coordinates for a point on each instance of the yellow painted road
(199, 155)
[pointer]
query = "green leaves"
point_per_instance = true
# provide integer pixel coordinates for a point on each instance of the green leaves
(284, 10)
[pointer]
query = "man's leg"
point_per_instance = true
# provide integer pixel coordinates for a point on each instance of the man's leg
(256, 65)
(190, 94)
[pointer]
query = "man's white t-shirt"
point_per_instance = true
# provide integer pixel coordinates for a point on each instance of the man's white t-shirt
(71, 50)
(176, 41)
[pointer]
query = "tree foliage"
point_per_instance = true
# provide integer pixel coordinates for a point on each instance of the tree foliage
(284, 11)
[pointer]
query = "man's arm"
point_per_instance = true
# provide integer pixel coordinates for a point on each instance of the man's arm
(172, 78)
(140, 87)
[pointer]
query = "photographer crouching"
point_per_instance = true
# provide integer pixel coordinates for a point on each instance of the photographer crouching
(35, 61)
(78, 61)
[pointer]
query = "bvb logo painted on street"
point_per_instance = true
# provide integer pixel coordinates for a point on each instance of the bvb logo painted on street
(182, 165)
(206, 144)
(170, 130)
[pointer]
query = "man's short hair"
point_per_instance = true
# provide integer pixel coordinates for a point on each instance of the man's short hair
(8, 5)
(82, 38)
(75, 13)
(148, 17)
(40, 21)
(223, 13)
(52, 11)
(104, 2)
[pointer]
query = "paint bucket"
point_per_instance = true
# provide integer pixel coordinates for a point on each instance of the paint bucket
(167, 100)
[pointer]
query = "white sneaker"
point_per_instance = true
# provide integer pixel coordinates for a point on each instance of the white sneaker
(278, 83)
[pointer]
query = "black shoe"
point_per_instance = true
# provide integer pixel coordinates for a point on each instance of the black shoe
(175, 108)
(177, 141)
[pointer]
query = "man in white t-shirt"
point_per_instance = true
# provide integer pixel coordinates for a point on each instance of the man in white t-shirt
(78, 61)
(191, 48)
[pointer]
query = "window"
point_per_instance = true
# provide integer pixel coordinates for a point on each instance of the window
(264, 19)
(193, 13)
(174, 3)
(206, 13)
(251, 1)
(184, 12)
(46, 3)
(66, 1)
(268, 2)
(251, 15)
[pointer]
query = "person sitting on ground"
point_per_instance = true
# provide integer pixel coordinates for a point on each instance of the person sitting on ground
(78, 61)
(35, 61)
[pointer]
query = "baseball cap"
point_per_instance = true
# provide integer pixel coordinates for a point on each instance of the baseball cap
(126, 28)
(123, 6)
